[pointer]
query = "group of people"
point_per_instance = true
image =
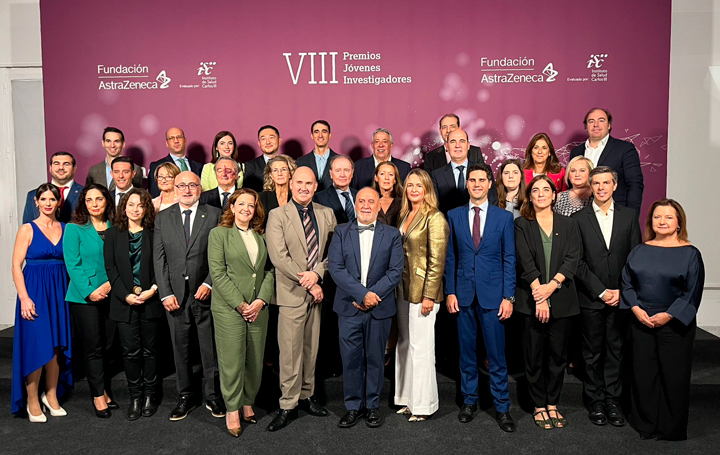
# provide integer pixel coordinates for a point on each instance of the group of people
(214, 248)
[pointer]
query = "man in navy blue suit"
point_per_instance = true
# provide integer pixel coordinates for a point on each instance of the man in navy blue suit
(176, 142)
(382, 145)
(365, 259)
(62, 170)
(480, 285)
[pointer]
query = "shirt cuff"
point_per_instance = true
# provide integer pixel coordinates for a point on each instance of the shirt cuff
(167, 297)
(602, 293)
(207, 285)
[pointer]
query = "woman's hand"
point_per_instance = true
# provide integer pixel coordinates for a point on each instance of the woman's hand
(642, 316)
(99, 293)
(133, 299)
(240, 308)
(542, 311)
(660, 319)
(427, 306)
(106, 288)
(544, 291)
(252, 311)
(145, 295)
(27, 309)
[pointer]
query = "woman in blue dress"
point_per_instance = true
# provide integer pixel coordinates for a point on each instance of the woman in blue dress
(42, 321)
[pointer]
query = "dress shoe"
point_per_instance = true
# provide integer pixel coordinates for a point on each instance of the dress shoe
(149, 406)
(42, 418)
(183, 408)
(134, 411)
(350, 419)
(597, 414)
(466, 412)
(282, 419)
(217, 407)
(249, 419)
(312, 407)
(235, 432)
(505, 421)
(113, 405)
(60, 412)
(615, 415)
(102, 413)
(374, 418)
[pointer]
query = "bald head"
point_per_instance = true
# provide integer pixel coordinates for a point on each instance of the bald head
(458, 146)
(303, 185)
(367, 205)
(175, 141)
(187, 189)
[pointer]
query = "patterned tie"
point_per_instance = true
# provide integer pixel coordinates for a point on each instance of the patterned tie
(477, 238)
(225, 200)
(310, 238)
(183, 166)
(370, 227)
(186, 224)
(349, 209)
(461, 178)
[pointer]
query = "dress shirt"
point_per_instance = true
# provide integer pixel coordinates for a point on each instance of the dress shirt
(177, 160)
(342, 198)
(221, 191)
(456, 171)
(311, 212)
(108, 173)
(68, 185)
(378, 163)
(119, 195)
(193, 211)
(366, 242)
(483, 216)
(320, 162)
(594, 153)
(605, 221)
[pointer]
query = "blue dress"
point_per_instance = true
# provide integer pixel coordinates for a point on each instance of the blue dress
(35, 341)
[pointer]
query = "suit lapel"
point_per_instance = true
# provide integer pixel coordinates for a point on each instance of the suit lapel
(377, 241)
(176, 224)
(558, 236)
(465, 225)
(355, 241)
(537, 239)
(335, 202)
(200, 219)
(237, 242)
(615, 232)
(489, 225)
(416, 221)
(449, 175)
(292, 213)
(606, 151)
(321, 234)
(594, 223)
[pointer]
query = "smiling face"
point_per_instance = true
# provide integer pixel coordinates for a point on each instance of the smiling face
(134, 208)
(603, 187)
(113, 144)
(280, 173)
(244, 209)
(385, 177)
(175, 141)
(414, 189)
(665, 221)
(541, 195)
(458, 146)
(187, 188)
(540, 152)
(269, 141)
(122, 174)
(341, 173)
(95, 203)
(62, 169)
(478, 185)
(511, 176)
(381, 146)
(597, 125)
(367, 205)
(47, 204)
(303, 185)
(579, 173)
(320, 135)
(225, 146)
(165, 180)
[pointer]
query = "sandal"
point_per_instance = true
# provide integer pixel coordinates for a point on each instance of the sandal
(545, 424)
(558, 421)
(415, 418)
(404, 411)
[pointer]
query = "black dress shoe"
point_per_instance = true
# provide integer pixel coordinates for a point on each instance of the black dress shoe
(466, 412)
(597, 414)
(350, 419)
(615, 415)
(374, 418)
(149, 406)
(104, 413)
(183, 408)
(505, 421)
(113, 405)
(217, 407)
(312, 407)
(282, 419)
(134, 411)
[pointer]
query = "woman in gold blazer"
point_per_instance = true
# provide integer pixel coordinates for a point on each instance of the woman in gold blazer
(425, 234)
(243, 282)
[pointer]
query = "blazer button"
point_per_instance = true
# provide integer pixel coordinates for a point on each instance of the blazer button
(254, 275)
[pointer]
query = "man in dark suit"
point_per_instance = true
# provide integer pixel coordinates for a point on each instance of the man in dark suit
(176, 142)
(382, 144)
(183, 278)
(319, 159)
(226, 171)
(62, 171)
(123, 174)
(480, 286)
(439, 157)
(621, 156)
(113, 142)
(449, 180)
(609, 233)
(339, 196)
(365, 259)
(269, 141)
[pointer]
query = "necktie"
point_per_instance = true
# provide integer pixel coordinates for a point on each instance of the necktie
(225, 200)
(186, 224)
(118, 198)
(349, 209)
(310, 238)
(63, 190)
(461, 178)
(476, 228)
(370, 228)
(183, 166)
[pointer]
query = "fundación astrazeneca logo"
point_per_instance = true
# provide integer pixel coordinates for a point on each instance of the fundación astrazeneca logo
(130, 77)
(205, 68)
(550, 72)
(163, 79)
(596, 60)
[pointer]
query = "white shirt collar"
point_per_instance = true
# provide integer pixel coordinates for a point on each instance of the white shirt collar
(192, 208)
(597, 209)
(603, 141)
(483, 206)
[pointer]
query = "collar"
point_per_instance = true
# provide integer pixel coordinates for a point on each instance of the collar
(68, 185)
(300, 207)
(118, 190)
(483, 206)
(603, 141)
(231, 191)
(323, 156)
(455, 165)
(597, 209)
(192, 208)
(377, 163)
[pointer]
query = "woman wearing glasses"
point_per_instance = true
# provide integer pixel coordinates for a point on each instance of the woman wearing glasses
(165, 177)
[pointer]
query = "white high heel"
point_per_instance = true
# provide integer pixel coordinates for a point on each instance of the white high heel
(42, 418)
(53, 412)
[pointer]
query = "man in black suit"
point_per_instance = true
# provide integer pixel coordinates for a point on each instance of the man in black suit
(382, 144)
(226, 171)
(62, 171)
(113, 141)
(269, 141)
(439, 157)
(123, 174)
(319, 159)
(621, 156)
(340, 197)
(183, 278)
(609, 232)
(176, 142)
(450, 180)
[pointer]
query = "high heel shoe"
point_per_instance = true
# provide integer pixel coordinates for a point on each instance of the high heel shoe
(53, 412)
(235, 432)
(102, 413)
(42, 418)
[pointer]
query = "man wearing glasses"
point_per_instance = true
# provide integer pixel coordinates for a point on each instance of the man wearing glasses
(175, 142)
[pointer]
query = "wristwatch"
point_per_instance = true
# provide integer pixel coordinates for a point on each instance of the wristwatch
(510, 299)
(557, 282)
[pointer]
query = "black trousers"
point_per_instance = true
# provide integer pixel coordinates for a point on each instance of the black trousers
(138, 339)
(662, 363)
(97, 333)
(545, 348)
(603, 335)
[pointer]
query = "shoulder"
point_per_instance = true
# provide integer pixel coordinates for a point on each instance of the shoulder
(578, 150)
(623, 145)
(319, 208)
(457, 211)
(305, 158)
(497, 211)
(389, 230)
(401, 164)
(522, 222)
(208, 167)
(211, 210)
(436, 151)
(436, 216)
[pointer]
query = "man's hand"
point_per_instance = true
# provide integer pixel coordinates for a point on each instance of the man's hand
(203, 293)
(317, 293)
(506, 309)
(308, 279)
(371, 300)
(451, 302)
(611, 297)
(360, 307)
(171, 303)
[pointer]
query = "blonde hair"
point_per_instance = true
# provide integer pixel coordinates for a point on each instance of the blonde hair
(268, 182)
(575, 160)
(430, 201)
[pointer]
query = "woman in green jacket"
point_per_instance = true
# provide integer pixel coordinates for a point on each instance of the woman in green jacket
(243, 284)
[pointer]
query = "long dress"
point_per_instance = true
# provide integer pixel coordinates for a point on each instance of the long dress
(35, 341)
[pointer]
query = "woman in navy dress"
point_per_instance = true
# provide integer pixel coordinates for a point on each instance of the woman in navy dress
(42, 320)
(662, 284)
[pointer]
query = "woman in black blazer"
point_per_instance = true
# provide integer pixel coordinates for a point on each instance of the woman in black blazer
(134, 302)
(548, 249)
(276, 183)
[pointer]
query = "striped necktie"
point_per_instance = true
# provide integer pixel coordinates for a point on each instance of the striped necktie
(310, 238)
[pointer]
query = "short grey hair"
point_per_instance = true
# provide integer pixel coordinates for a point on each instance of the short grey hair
(604, 170)
(227, 158)
(339, 157)
(382, 130)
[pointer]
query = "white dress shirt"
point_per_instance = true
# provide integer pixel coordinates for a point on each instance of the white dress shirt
(119, 195)
(593, 154)
(456, 171)
(221, 191)
(193, 212)
(366, 242)
(605, 221)
(483, 216)
(342, 198)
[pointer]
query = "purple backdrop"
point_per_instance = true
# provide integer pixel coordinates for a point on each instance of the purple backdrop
(508, 70)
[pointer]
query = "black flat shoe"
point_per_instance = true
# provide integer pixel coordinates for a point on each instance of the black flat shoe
(350, 419)
(505, 421)
(282, 419)
(134, 411)
(465, 414)
(312, 407)
(374, 418)
(183, 408)
(149, 406)
(615, 415)
(597, 414)
(216, 407)
(113, 405)
(103, 414)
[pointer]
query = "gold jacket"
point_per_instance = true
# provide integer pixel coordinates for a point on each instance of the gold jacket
(425, 245)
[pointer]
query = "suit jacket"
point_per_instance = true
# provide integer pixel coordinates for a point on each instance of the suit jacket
(195, 167)
(255, 173)
(329, 198)
(425, 247)
(435, 159)
(71, 202)
(488, 272)
(120, 274)
(324, 181)
(84, 260)
(177, 261)
(601, 268)
(384, 272)
(96, 174)
(212, 198)
(623, 158)
(365, 170)
(288, 250)
(566, 252)
(449, 195)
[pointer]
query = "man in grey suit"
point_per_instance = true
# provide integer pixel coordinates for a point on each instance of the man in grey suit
(113, 142)
(183, 279)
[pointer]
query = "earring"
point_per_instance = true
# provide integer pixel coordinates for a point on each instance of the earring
(678, 229)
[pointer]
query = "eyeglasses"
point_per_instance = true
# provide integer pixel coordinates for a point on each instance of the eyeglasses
(278, 170)
(183, 186)
(174, 138)
(165, 178)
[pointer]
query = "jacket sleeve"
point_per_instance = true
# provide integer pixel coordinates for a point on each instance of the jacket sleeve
(450, 260)
(322, 266)
(116, 282)
(73, 261)
(685, 306)
(525, 263)
(339, 272)
(217, 263)
(437, 233)
(393, 276)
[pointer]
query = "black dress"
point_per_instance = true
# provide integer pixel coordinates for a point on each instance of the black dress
(391, 216)
(663, 280)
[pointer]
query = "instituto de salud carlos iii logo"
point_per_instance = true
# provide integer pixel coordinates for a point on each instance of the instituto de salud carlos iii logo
(206, 68)
(596, 60)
